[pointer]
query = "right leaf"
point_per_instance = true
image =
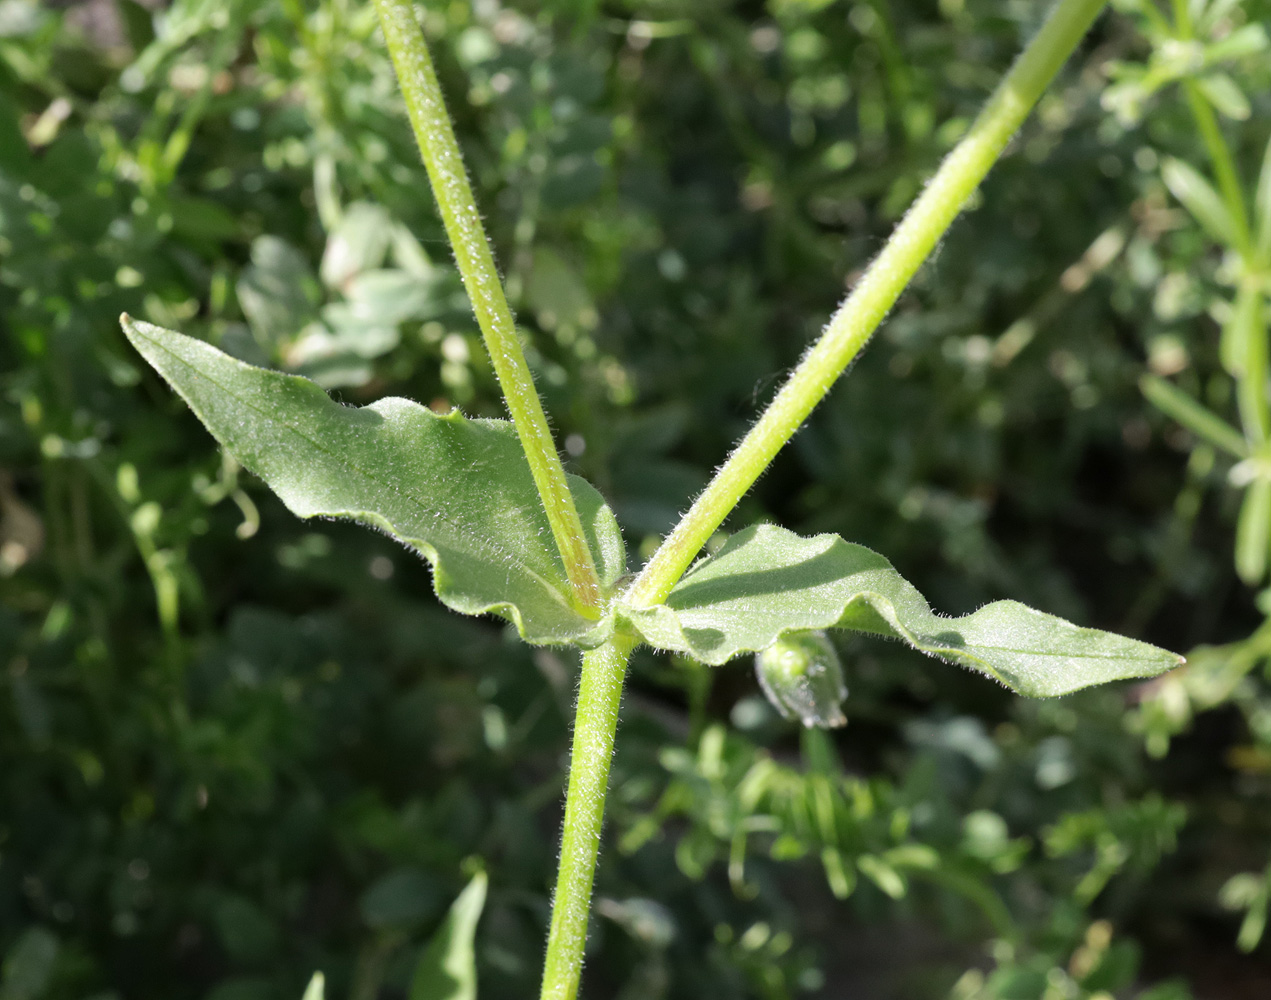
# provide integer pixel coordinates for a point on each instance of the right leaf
(766, 581)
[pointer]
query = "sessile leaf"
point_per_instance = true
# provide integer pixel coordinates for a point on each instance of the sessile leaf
(766, 581)
(458, 491)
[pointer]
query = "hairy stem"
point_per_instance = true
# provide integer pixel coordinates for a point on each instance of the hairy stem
(875, 294)
(595, 723)
(440, 150)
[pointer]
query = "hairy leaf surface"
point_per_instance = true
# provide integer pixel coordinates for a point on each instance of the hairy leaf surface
(766, 581)
(458, 491)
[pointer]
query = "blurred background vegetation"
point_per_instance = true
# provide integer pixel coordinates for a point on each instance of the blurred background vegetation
(236, 747)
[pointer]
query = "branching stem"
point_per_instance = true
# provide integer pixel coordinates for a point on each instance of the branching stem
(604, 668)
(440, 150)
(875, 294)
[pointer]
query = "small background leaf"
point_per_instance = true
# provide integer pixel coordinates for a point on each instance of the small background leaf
(1225, 95)
(1199, 197)
(28, 966)
(401, 898)
(1262, 207)
(447, 970)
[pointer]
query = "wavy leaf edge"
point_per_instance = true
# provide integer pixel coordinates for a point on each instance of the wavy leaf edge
(865, 610)
(599, 519)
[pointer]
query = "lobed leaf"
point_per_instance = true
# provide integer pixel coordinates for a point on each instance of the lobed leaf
(458, 491)
(766, 581)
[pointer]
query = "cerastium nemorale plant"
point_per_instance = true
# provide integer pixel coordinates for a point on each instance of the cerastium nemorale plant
(488, 503)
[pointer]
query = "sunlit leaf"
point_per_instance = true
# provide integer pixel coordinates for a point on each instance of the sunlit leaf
(767, 580)
(359, 243)
(458, 491)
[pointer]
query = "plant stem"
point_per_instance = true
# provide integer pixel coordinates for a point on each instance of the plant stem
(440, 150)
(1224, 165)
(875, 294)
(595, 723)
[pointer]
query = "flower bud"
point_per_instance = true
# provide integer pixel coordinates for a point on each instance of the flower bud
(802, 677)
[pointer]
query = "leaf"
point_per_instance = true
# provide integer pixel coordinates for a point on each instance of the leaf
(28, 967)
(1225, 95)
(359, 243)
(317, 988)
(766, 581)
(388, 297)
(447, 969)
(401, 898)
(1235, 343)
(1245, 335)
(1262, 208)
(1253, 527)
(1199, 197)
(1204, 423)
(1250, 40)
(277, 292)
(458, 491)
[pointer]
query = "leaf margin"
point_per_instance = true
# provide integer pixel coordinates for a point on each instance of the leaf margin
(876, 613)
(599, 520)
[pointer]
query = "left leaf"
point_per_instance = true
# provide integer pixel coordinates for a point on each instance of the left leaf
(458, 491)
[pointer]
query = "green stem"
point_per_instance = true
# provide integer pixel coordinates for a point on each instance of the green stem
(1224, 165)
(875, 294)
(1207, 124)
(440, 150)
(595, 723)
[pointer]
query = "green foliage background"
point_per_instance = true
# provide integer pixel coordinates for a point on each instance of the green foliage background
(236, 747)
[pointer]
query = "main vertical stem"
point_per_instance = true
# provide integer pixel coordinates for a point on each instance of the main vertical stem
(595, 723)
(440, 151)
(876, 292)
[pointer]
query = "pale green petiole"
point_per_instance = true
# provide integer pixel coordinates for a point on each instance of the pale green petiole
(857, 318)
(440, 150)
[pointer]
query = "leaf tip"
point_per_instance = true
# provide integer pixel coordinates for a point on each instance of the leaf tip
(133, 329)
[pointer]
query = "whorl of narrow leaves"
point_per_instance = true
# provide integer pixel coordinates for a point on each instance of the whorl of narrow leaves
(458, 491)
(766, 581)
